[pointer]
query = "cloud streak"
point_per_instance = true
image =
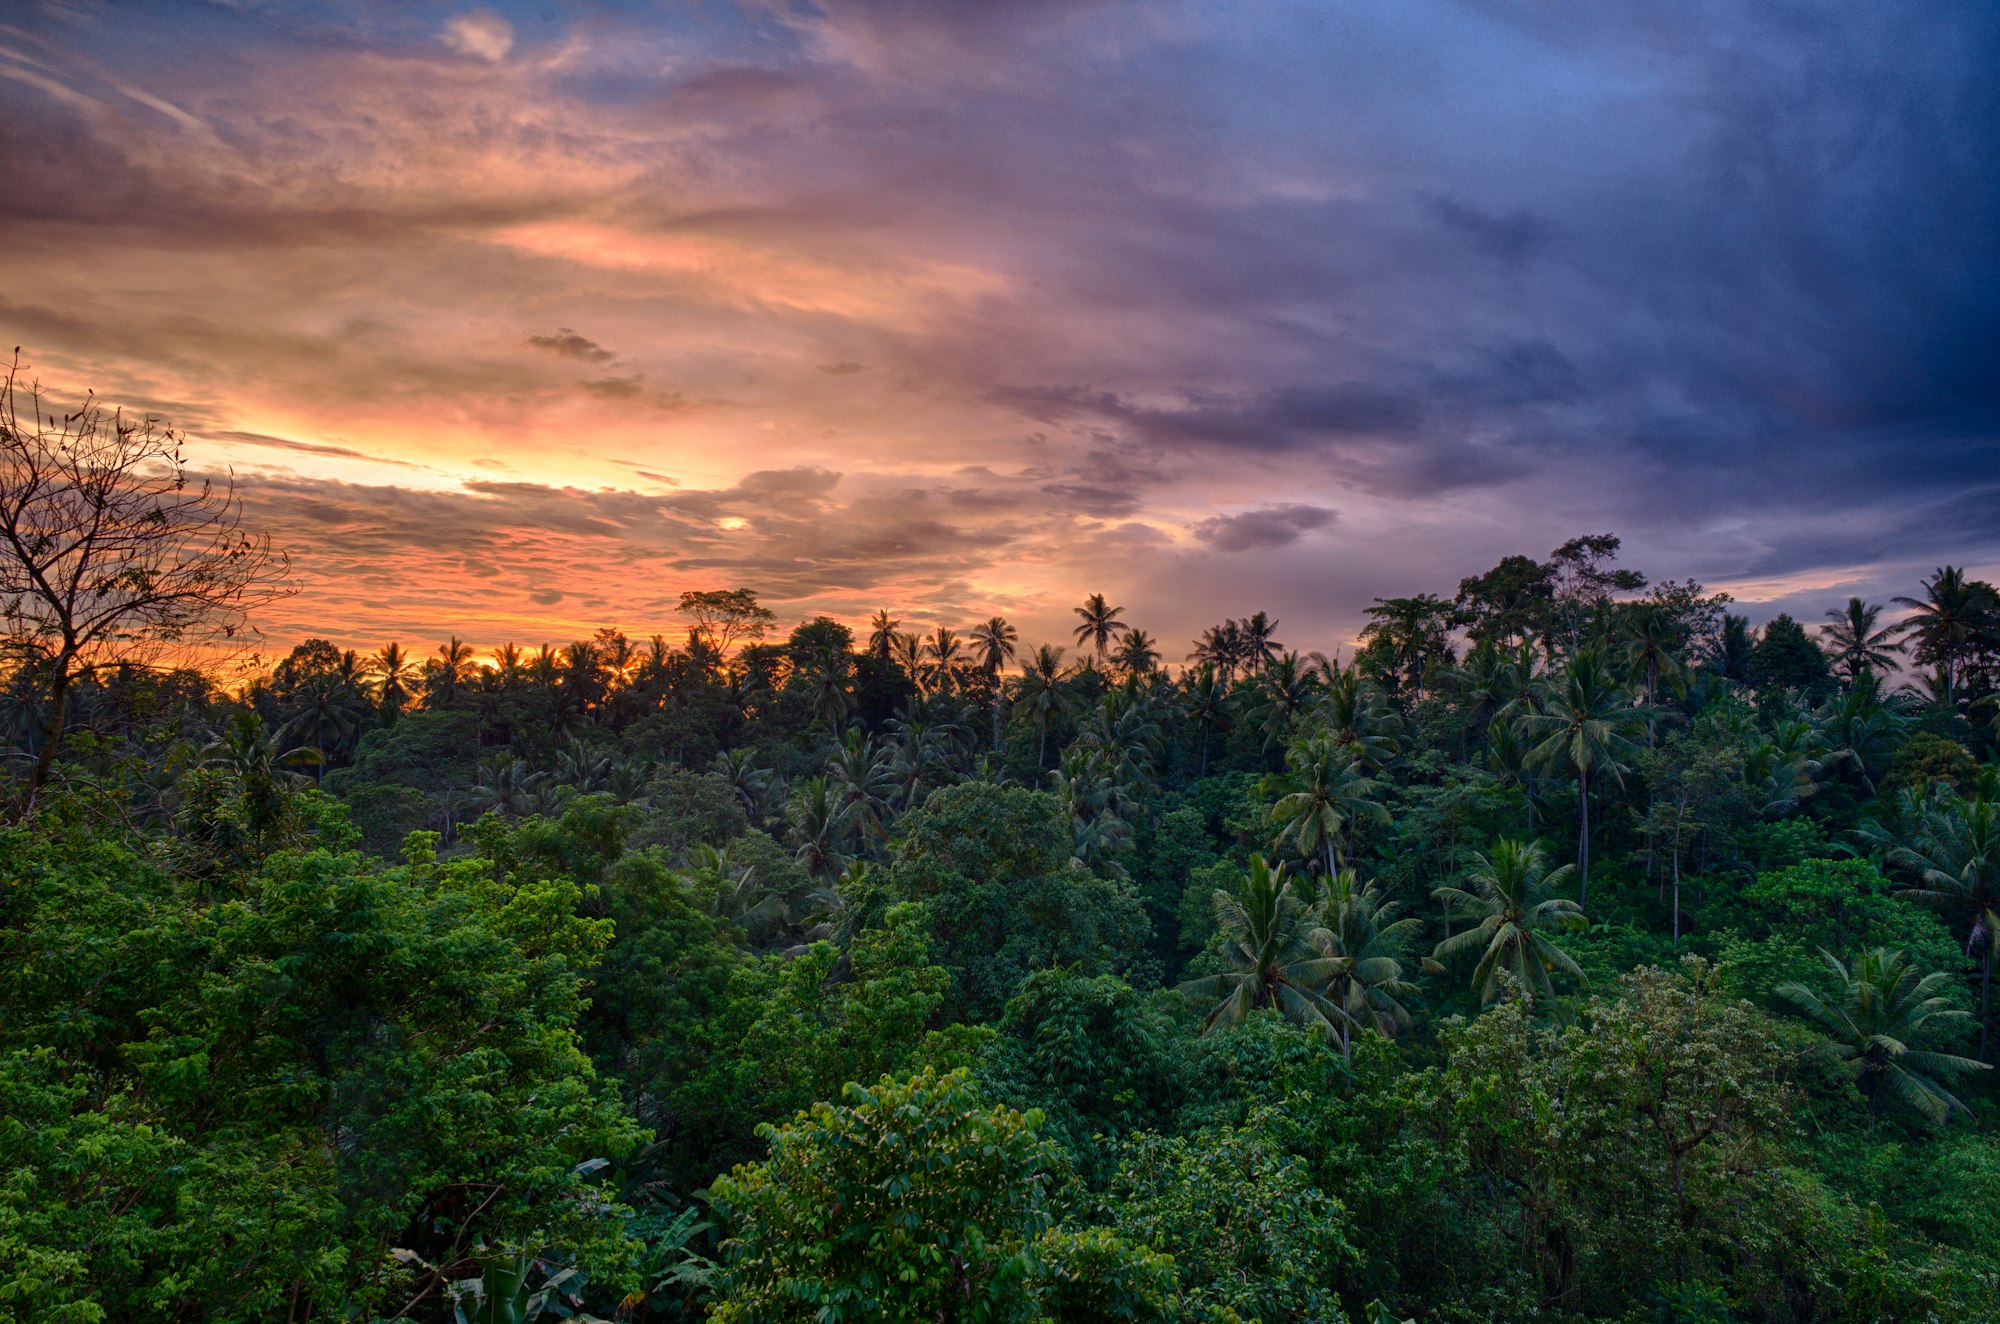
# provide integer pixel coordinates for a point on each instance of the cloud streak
(959, 307)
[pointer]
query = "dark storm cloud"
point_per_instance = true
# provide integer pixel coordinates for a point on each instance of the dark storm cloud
(1269, 526)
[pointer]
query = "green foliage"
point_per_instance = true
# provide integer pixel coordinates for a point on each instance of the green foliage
(1248, 1230)
(993, 870)
(909, 1201)
(240, 1107)
(1091, 1053)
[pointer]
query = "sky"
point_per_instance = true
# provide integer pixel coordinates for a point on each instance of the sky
(517, 320)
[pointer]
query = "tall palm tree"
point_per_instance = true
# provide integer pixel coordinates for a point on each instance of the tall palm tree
(1322, 793)
(993, 644)
(1875, 1011)
(909, 652)
(1138, 654)
(1513, 905)
(394, 676)
(1857, 730)
(1951, 846)
(1652, 648)
(1044, 694)
(450, 668)
(1858, 645)
(1100, 623)
(1360, 930)
(1580, 714)
(882, 635)
(1205, 699)
(1258, 634)
(943, 650)
(1269, 932)
(816, 827)
(1947, 621)
(1285, 687)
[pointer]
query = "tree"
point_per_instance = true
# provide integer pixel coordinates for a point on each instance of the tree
(1360, 930)
(723, 617)
(1581, 710)
(393, 675)
(1513, 913)
(1581, 582)
(993, 644)
(1785, 658)
(1043, 693)
(1100, 623)
(1321, 794)
(1947, 621)
(910, 1200)
(1876, 1010)
(1508, 604)
(111, 553)
(1859, 643)
(1267, 930)
(1138, 654)
(1951, 847)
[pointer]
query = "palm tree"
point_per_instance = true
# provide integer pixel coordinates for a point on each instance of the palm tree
(1652, 645)
(393, 674)
(882, 635)
(1100, 623)
(993, 644)
(1859, 731)
(581, 767)
(943, 650)
(1321, 794)
(861, 774)
(1952, 849)
(1577, 723)
(1043, 692)
(1269, 932)
(1359, 930)
(1512, 903)
(1259, 642)
(1285, 687)
(1875, 1011)
(1858, 646)
(1947, 621)
(909, 655)
(1138, 654)
(450, 669)
(739, 768)
(816, 826)
(1205, 699)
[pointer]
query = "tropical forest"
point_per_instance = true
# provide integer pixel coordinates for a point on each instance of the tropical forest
(1564, 949)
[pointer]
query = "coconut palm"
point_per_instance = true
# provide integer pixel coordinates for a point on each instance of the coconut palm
(861, 774)
(1514, 909)
(1100, 623)
(1138, 654)
(1950, 846)
(1857, 730)
(1268, 930)
(816, 827)
(882, 635)
(1578, 722)
(1947, 621)
(1286, 687)
(1360, 930)
(1259, 641)
(1652, 649)
(447, 671)
(1205, 700)
(581, 767)
(739, 768)
(943, 650)
(1322, 793)
(1043, 693)
(393, 675)
(993, 644)
(1876, 1010)
(1859, 645)
(506, 785)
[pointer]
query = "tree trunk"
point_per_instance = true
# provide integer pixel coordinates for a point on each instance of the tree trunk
(1677, 893)
(1583, 835)
(1985, 997)
(52, 734)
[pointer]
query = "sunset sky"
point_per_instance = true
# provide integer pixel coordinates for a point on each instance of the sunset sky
(518, 320)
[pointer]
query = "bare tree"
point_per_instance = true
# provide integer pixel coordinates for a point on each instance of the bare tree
(111, 553)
